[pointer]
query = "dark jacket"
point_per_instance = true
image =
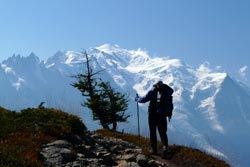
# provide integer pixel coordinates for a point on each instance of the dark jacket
(165, 106)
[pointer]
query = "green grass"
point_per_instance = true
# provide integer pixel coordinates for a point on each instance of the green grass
(23, 133)
(182, 156)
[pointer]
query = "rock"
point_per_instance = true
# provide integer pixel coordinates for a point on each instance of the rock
(114, 149)
(153, 163)
(67, 155)
(60, 143)
(95, 150)
(133, 164)
(57, 153)
(129, 151)
(122, 164)
(128, 157)
(141, 159)
(107, 157)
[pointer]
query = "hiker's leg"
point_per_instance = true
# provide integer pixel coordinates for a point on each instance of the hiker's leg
(152, 121)
(162, 128)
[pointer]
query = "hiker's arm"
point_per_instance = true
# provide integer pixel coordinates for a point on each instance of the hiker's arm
(145, 98)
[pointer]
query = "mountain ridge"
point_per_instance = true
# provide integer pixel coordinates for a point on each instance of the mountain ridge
(204, 99)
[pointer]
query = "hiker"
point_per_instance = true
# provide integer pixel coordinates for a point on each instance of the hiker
(160, 107)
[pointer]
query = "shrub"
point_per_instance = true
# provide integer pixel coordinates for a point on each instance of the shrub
(23, 133)
(11, 161)
(50, 121)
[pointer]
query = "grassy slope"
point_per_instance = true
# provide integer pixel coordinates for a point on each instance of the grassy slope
(23, 133)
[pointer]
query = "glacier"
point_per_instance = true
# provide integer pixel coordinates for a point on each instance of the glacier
(212, 110)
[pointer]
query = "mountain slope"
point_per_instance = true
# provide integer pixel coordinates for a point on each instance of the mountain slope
(42, 136)
(211, 109)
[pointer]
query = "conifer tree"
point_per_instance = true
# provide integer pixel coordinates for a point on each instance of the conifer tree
(107, 105)
(87, 82)
(115, 104)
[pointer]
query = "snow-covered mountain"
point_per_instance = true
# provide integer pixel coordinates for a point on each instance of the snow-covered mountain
(212, 110)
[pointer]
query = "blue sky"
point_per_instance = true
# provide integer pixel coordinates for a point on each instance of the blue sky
(217, 31)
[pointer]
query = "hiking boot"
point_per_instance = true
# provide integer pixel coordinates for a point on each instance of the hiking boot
(154, 152)
(165, 152)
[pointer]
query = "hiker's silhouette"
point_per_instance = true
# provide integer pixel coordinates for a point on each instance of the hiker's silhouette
(160, 107)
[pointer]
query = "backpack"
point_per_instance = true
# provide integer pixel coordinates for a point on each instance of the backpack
(165, 101)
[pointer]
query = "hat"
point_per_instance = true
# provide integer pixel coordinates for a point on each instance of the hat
(159, 84)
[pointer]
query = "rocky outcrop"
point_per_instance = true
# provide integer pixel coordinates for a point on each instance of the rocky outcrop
(95, 150)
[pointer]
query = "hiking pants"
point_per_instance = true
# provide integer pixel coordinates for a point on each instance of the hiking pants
(156, 121)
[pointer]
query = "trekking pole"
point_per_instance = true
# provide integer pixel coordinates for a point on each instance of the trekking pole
(138, 116)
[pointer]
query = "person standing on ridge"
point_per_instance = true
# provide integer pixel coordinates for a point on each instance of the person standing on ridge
(160, 107)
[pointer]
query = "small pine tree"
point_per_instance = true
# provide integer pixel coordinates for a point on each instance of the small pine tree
(107, 105)
(115, 104)
(87, 82)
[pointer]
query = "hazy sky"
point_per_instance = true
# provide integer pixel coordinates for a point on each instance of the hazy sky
(217, 31)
